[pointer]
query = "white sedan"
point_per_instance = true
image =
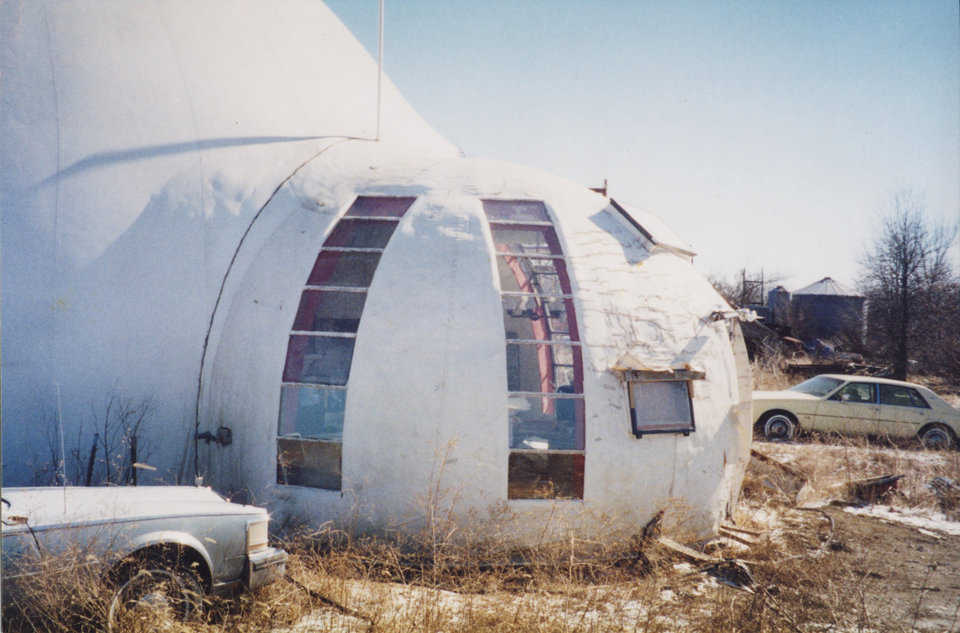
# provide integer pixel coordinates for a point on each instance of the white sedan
(857, 405)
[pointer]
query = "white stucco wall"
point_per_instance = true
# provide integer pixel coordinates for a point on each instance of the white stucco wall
(137, 143)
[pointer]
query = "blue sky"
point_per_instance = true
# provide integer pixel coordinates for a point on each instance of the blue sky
(766, 134)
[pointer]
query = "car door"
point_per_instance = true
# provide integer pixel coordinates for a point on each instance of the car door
(902, 411)
(852, 409)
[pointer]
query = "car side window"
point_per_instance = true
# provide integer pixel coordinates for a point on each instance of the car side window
(902, 397)
(856, 392)
(917, 400)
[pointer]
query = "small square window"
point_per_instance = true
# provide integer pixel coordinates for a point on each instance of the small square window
(379, 207)
(320, 360)
(516, 210)
(544, 368)
(329, 311)
(361, 233)
(545, 476)
(311, 463)
(525, 240)
(311, 412)
(660, 407)
(540, 276)
(338, 268)
(536, 318)
(546, 423)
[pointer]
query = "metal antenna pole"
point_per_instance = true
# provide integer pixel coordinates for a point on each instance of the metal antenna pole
(62, 465)
(379, 67)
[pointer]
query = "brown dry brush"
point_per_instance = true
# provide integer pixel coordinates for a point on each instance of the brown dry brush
(64, 594)
(549, 588)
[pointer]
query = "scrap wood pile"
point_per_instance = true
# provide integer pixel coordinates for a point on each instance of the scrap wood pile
(785, 488)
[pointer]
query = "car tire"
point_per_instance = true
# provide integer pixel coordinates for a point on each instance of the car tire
(779, 426)
(152, 592)
(937, 437)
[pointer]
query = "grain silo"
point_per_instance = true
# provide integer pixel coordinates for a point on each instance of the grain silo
(778, 301)
(827, 310)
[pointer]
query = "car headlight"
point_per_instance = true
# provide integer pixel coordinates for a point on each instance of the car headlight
(257, 532)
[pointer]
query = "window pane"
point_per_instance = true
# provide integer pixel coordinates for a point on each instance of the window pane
(361, 233)
(308, 463)
(384, 207)
(312, 413)
(661, 405)
(535, 240)
(539, 318)
(329, 311)
(517, 210)
(538, 276)
(900, 396)
(546, 476)
(545, 423)
(336, 268)
(544, 368)
(318, 359)
(855, 392)
(917, 399)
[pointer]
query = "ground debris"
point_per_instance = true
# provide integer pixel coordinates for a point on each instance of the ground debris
(733, 573)
(866, 491)
(777, 475)
(948, 496)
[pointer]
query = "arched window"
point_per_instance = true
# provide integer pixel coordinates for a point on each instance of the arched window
(320, 350)
(544, 359)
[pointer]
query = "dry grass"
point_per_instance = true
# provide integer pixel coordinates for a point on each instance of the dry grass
(768, 375)
(831, 461)
(336, 583)
(807, 579)
(63, 596)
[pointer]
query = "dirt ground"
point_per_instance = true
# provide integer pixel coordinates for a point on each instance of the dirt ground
(898, 558)
(909, 579)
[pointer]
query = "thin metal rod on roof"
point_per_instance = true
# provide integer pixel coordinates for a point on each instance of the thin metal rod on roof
(379, 66)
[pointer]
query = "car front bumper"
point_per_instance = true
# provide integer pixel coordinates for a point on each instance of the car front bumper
(265, 566)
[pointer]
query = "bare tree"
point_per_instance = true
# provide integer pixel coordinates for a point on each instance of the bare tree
(118, 428)
(907, 278)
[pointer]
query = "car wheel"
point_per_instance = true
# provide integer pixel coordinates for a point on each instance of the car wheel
(779, 427)
(151, 595)
(937, 438)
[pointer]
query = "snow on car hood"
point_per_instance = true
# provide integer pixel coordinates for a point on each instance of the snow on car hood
(71, 505)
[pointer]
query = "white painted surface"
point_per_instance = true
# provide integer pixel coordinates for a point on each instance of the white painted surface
(140, 144)
(137, 142)
(426, 406)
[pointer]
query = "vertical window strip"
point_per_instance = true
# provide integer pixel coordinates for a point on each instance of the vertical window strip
(320, 348)
(546, 414)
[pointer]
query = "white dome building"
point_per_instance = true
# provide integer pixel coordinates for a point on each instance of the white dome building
(197, 224)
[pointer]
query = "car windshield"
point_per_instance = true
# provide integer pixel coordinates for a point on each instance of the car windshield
(819, 386)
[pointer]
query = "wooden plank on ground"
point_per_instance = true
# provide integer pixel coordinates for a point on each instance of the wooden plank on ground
(687, 552)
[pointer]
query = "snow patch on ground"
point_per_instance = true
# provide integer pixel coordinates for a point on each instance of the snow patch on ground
(799, 452)
(924, 520)
(600, 607)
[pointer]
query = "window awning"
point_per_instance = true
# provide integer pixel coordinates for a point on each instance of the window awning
(653, 229)
(631, 368)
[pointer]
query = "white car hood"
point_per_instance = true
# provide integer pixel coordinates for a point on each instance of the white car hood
(72, 505)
